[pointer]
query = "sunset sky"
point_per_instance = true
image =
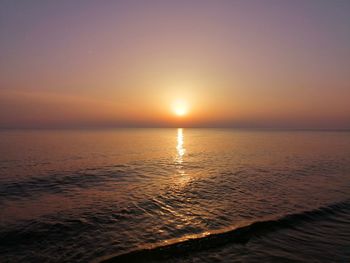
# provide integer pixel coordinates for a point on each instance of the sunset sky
(263, 64)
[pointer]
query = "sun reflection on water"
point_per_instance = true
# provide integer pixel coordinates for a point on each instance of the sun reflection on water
(179, 147)
(183, 177)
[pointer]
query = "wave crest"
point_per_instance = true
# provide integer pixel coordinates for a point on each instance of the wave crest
(239, 234)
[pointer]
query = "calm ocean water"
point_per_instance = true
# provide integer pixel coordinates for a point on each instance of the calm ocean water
(174, 195)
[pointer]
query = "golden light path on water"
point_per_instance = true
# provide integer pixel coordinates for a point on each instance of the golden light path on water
(183, 178)
(180, 146)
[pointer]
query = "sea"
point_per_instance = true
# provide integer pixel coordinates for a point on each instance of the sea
(174, 195)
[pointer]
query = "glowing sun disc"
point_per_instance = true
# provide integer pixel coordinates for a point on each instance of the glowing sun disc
(180, 108)
(180, 111)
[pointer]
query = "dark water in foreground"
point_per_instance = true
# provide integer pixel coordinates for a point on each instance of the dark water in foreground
(173, 195)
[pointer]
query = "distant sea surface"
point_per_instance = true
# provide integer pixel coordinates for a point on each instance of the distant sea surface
(174, 195)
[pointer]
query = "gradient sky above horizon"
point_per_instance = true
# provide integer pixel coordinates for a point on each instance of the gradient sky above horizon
(266, 64)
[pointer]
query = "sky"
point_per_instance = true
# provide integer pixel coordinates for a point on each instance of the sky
(245, 64)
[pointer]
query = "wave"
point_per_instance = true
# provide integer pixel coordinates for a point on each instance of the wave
(239, 235)
(63, 182)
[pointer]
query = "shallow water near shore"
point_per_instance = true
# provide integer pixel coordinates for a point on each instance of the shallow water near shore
(174, 195)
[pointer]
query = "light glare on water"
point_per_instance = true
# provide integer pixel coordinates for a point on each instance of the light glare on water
(98, 193)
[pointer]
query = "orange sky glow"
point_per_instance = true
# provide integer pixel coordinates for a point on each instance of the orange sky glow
(222, 63)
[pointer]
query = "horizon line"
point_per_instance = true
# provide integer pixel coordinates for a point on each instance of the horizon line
(173, 127)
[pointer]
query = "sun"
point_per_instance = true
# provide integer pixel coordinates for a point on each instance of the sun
(180, 111)
(180, 108)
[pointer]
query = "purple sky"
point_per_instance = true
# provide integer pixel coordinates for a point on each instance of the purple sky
(275, 64)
